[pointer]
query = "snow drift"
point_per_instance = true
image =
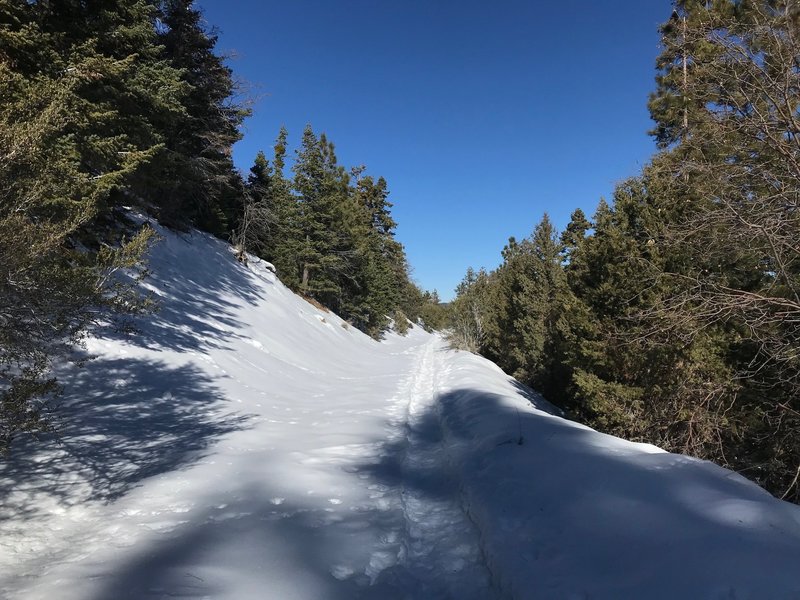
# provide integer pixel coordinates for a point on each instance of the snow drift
(248, 445)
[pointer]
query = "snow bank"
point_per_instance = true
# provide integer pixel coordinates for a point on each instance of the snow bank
(573, 513)
(247, 445)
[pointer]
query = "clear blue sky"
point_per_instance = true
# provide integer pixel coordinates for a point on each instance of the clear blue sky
(481, 115)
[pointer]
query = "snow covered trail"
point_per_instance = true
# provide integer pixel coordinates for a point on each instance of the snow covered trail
(247, 445)
(441, 546)
(244, 445)
(326, 513)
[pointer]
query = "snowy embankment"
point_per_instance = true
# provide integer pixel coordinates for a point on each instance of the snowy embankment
(247, 445)
(567, 512)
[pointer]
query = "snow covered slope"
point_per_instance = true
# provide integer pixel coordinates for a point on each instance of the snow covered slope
(248, 445)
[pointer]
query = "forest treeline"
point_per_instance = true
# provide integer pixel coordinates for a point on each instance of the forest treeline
(673, 315)
(330, 234)
(117, 103)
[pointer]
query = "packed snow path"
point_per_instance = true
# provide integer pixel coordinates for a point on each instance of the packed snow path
(246, 445)
(346, 495)
(441, 546)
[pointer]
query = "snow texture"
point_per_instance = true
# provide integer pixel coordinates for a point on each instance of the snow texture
(247, 445)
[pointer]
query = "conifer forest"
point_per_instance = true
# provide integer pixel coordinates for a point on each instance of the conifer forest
(672, 315)
(669, 316)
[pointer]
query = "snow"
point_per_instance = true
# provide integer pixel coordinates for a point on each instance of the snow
(573, 513)
(248, 445)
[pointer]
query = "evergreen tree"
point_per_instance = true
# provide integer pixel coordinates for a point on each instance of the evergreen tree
(330, 235)
(321, 186)
(434, 314)
(199, 181)
(469, 311)
(574, 234)
(725, 108)
(381, 282)
(535, 289)
(82, 90)
(308, 176)
(287, 235)
(673, 317)
(254, 233)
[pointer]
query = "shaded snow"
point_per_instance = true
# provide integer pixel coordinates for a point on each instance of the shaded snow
(248, 445)
(573, 513)
(244, 445)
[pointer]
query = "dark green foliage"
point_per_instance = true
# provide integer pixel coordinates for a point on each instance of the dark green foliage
(321, 188)
(256, 221)
(81, 127)
(329, 233)
(515, 315)
(109, 104)
(197, 182)
(574, 234)
(673, 318)
(99, 107)
(82, 90)
(471, 310)
(104, 104)
(732, 164)
(433, 313)
(280, 239)
(380, 282)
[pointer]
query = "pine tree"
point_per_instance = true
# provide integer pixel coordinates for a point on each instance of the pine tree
(255, 233)
(534, 305)
(322, 189)
(726, 112)
(82, 90)
(380, 283)
(469, 311)
(331, 234)
(285, 242)
(604, 277)
(574, 234)
(199, 181)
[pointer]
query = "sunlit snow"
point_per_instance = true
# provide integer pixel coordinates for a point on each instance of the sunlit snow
(247, 445)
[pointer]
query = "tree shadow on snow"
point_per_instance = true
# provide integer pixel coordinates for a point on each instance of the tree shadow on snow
(552, 476)
(303, 546)
(295, 550)
(413, 461)
(124, 420)
(563, 482)
(536, 399)
(200, 286)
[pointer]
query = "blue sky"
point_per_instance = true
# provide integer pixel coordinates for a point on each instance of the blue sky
(481, 115)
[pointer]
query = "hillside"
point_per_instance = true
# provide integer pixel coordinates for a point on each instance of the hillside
(245, 444)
